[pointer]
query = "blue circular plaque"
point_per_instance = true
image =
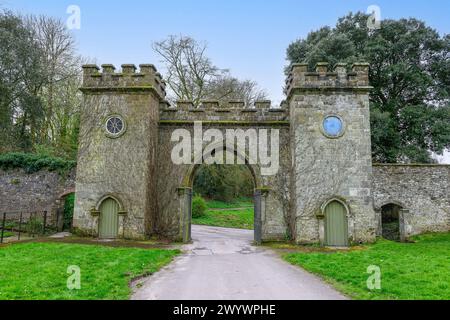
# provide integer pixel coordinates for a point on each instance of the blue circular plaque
(333, 126)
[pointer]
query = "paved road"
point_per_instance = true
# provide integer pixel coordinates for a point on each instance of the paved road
(222, 264)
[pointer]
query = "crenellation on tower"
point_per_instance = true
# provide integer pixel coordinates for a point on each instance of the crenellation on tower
(128, 80)
(322, 78)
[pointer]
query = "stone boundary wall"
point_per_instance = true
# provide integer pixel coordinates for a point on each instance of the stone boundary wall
(423, 192)
(39, 191)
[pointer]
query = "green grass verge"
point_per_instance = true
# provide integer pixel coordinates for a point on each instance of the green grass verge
(239, 203)
(38, 271)
(239, 219)
(409, 271)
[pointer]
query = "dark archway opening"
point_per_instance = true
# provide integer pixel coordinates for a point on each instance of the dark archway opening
(69, 205)
(390, 221)
(228, 191)
(224, 196)
(64, 211)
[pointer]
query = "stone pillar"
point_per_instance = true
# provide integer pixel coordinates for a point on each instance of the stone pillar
(379, 221)
(258, 217)
(185, 214)
(260, 199)
(403, 222)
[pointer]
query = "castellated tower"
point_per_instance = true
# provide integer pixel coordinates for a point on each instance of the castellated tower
(331, 154)
(116, 180)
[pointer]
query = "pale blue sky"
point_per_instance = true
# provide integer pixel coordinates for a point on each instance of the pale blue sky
(249, 37)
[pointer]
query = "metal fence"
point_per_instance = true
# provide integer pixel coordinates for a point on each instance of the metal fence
(17, 225)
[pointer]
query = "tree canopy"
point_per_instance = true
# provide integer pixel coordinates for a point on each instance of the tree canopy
(410, 73)
(39, 79)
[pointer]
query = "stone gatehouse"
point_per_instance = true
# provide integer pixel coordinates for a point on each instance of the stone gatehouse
(326, 188)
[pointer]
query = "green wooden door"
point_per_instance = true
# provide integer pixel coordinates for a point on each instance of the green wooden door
(336, 227)
(109, 219)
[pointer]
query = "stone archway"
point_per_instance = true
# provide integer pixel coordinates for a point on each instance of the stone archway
(186, 195)
(391, 221)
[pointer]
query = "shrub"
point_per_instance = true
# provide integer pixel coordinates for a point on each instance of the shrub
(198, 207)
(68, 211)
(224, 183)
(34, 162)
(35, 225)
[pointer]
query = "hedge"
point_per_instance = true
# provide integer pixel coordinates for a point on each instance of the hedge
(31, 162)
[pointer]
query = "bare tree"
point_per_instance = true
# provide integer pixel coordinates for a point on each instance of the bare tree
(228, 88)
(192, 76)
(62, 66)
(189, 71)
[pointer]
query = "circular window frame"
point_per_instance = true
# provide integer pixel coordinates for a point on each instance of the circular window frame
(322, 126)
(115, 135)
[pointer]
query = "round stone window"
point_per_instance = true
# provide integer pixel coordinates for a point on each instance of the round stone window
(115, 126)
(333, 126)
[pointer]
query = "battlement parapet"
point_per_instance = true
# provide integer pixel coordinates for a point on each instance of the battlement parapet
(223, 111)
(128, 80)
(237, 105)
(301, 79)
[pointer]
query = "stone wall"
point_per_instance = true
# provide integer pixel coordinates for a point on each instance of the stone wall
(422, 191)
(40, 191)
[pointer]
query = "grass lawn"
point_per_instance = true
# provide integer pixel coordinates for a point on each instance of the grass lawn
(409, 271)
(217, 214)
(32, 271)
(239, 219)
(238, 203)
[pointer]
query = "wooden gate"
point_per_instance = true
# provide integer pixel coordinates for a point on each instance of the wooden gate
(109, 219)
(336, 226)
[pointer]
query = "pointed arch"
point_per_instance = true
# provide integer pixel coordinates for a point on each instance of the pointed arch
(337, 199)
(336, 217)
(188, 180)
(113, 197)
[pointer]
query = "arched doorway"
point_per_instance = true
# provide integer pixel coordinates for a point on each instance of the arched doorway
(336, 224)
(390, 221)
(257, 199)
(64, 212)
(108, 227)
(67, 213)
